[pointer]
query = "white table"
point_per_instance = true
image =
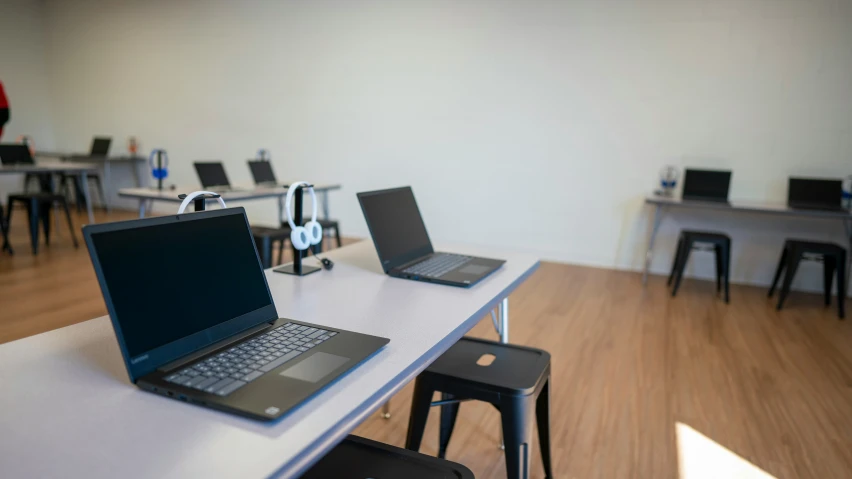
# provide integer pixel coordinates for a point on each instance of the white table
(146, 195)
(68, 410)
(662, 203)
(82, 169)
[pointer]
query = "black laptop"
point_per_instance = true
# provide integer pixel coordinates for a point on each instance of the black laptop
(195, 320)
(815, 194)
(100, 146)
(212, 176)
(404, 248)
(261, 172)
(15, 154)
(706, 185)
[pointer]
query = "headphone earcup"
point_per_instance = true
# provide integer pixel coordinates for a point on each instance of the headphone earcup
(314, 232)
(300, 238)
(160, 173)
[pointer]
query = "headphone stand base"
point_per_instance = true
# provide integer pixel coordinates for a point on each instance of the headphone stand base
(289, 268)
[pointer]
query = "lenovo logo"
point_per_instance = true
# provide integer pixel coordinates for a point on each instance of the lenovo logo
(139, 359)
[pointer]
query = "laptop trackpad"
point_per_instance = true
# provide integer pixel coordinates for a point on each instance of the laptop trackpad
(314, 368)
(475, 269)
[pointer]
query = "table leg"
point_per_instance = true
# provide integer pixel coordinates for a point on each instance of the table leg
(142, 204)
(503, 312)
(106, 185)
(137, 178)
(281, 214)
(84, 178)
(324, 195)
(658, 218)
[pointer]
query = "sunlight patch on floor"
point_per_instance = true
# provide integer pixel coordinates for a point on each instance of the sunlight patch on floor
(699, 457)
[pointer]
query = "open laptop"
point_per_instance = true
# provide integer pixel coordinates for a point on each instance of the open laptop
(100, 146)
(15, 154)
(403, 244)
(706, 185)
(212, 176)
(261, 172)
(815, 194)
(195, 320)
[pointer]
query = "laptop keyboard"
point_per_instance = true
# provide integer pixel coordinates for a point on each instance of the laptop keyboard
(233, 368)
(438, 265)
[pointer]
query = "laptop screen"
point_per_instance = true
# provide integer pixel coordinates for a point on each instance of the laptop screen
(165, 279)
(211, 173)
(396, 226)
(100, 146)
(261, 171)
(707, 184)
(15, 154)
(815, 192)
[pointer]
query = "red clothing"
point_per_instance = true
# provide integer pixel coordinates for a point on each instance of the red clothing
(4, 108)
(4, 102)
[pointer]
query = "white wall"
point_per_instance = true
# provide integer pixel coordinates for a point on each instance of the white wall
(531, 124)
(24, 74)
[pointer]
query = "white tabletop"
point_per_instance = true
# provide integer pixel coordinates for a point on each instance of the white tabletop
(48, 168)
(247, 194)
(748, 207)
(67, 408)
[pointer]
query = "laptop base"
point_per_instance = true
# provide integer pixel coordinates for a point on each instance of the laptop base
(289, 268)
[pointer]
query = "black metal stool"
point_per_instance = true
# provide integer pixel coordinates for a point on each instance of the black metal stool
(517, 383)
(720, 245)
(4, 230)
(359, 458)
(38, 208)
(264, 236)
(833, 258)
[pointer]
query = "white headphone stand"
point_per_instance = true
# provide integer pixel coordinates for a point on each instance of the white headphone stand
(296, 267)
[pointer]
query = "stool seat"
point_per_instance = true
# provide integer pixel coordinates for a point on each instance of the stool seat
(516, 382)
(705, 236)
(515, 370)
(264, 236)
(357, 457)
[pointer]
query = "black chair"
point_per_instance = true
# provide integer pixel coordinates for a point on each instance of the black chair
(516, 382)
(360, 458)
(833, 258)
(719, 243)
(264, 237)
(77, 182)
(38, 207)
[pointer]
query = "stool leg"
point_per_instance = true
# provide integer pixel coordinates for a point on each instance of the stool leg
(281, 251)
(516, 414)
(782, 263)
(793, 260)
(542, 417)
(717, 251)
(64, 204)
(337, 235)
(841, 285)
(675, 261)
(264, 249)
(44, 215)
(421, 401)
(681, 267)
(828, 266)
(727, 273)
(449, 412)
(32, 212)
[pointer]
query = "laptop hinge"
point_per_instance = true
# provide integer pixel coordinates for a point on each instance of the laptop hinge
(204, 351)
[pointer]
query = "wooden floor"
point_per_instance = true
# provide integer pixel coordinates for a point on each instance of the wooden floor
(643, 384)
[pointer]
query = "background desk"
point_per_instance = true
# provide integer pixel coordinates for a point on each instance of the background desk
(137, 166)
(661, 203)
(145, 195)
(82, 169)
(68, 410)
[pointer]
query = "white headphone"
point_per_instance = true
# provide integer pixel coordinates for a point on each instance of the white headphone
(303, 237)
(195, 194)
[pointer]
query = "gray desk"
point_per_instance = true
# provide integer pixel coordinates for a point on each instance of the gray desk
(662, 203)
(68, 410)
(145, 195)
(82, 169)
(106, 162)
